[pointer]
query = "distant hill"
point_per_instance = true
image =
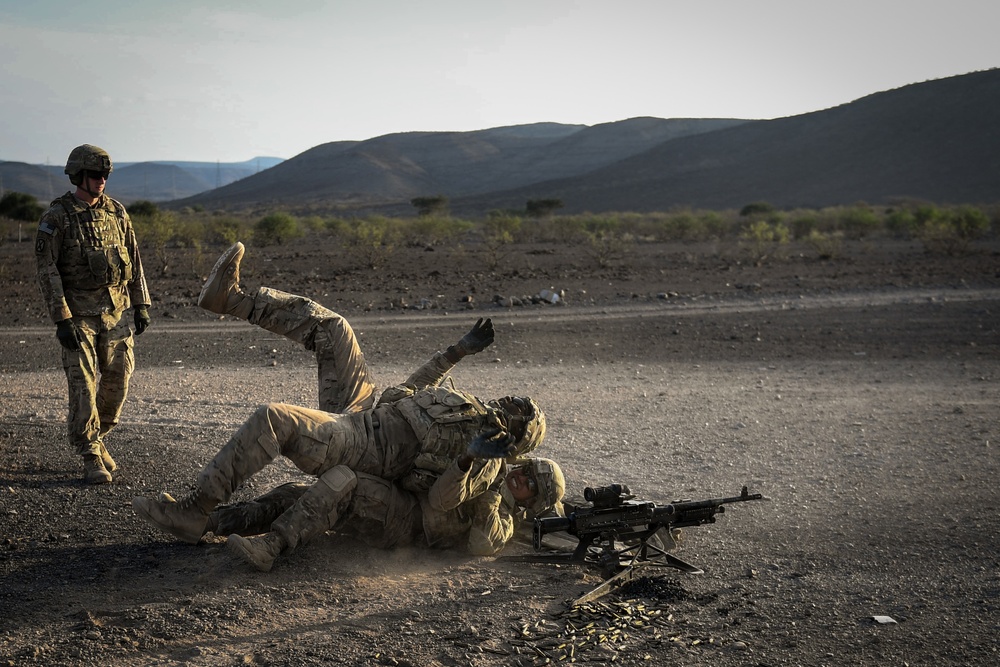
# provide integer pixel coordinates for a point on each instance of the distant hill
(937, 141)
(155, 181)
(397, 167)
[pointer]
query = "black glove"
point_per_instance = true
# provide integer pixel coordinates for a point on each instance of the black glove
(480, 337)
(141, 319)
(492, 443)
(68, 335)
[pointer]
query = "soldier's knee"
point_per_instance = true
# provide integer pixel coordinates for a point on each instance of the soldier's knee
(340, 479)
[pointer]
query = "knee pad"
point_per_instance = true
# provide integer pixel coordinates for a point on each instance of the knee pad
(340, 479)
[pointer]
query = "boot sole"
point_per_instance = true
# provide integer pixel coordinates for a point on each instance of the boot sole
(240, 547)
(139, 505)
(235, 252)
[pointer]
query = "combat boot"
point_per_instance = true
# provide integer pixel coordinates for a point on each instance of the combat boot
(185, 519)
(260, 551)
(94, 471)
(221, 293)
(109, 463)
(213, 518)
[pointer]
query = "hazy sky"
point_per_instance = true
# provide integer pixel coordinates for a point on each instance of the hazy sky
(231, 80)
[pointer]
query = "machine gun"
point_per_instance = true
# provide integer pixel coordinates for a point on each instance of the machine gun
(615, 533)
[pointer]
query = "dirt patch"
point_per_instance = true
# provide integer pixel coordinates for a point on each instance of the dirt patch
(860, 395)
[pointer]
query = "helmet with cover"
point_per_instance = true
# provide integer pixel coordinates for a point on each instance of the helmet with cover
(526, 422)
(551, 484)
(87, 157)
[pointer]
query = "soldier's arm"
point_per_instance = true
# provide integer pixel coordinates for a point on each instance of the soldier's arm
(464, 480)
(48, 242)
(492, 526)
(478, 338)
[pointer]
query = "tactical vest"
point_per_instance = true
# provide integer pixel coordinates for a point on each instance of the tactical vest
(445, 421)
(93, 253)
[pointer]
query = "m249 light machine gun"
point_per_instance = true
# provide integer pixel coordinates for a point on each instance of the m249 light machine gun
(615, 533)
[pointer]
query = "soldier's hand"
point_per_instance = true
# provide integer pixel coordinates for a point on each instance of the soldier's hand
(141, 319)
(492, 443)
(480, 337)
(68, 335)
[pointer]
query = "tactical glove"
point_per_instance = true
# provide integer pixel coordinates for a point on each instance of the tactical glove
(480, 337)
(492, 443)
(141, 319)
(68, 335)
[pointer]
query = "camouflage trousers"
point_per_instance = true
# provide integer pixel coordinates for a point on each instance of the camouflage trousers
(98, 375)
(345, 383)
(314, 440)
(372, 510)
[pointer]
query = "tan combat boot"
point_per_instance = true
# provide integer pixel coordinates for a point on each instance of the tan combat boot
(221, 292)
(260, 551)
(94, 471)
(185, 520)
(109, 463)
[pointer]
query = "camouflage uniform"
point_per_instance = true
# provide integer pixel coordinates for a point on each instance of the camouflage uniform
(89, 271)
(461, 511)
(381, 459)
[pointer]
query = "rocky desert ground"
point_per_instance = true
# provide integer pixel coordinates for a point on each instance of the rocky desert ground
(861, 395)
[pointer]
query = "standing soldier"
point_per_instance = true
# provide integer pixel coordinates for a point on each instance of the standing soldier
(89, 273)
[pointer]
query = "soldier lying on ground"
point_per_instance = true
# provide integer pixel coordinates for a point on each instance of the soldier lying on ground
(457, 513)
(413, 434)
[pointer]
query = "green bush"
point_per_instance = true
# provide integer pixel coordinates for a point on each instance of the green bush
(859, 222)
(434, 229)
(277, 228)
(827, 245)
(951, 232)
(21, 206)
(764, 237)
(757, 208)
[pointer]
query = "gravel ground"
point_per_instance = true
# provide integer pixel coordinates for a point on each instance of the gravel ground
(861, 396)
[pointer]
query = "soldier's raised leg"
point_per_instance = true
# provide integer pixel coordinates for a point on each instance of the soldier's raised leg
(345, 382)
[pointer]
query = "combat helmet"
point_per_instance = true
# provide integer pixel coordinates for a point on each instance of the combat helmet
(526, 420)
(551, 485)
(86, 157)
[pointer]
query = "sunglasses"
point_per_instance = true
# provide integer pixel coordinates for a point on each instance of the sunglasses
(91, 173)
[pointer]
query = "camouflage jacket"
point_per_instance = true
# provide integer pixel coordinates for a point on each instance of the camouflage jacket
(465, 509)
(88, 259)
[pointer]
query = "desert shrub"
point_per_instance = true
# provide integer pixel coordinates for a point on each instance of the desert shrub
(859, 222)
(953, 231)
(226, 230)
(277, 228)
(827, 245)
(763, 238)
(607, 247)
(437, 205)
(901, 223)
(803, 223)
(142, 207)
(154, 233)
(757, 209)
(540, 208)
(433, 229)
(374, 239)
(499, 231)
(313, 224)
(21, 206)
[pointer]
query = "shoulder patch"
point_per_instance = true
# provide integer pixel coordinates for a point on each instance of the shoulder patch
(46, 227)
